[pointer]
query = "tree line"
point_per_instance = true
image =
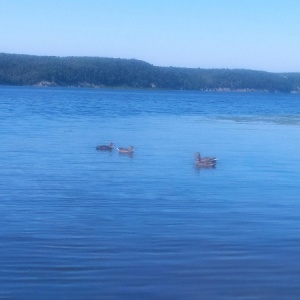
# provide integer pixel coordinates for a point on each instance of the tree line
(29, 70)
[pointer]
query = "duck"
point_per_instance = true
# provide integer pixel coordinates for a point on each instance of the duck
(105, 147)
(205, 162)
(128, 150)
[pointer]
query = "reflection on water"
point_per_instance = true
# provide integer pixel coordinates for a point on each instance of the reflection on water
(88, 224)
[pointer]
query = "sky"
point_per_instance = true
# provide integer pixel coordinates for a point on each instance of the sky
(244, 34)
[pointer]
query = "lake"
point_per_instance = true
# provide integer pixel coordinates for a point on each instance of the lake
(76, 223)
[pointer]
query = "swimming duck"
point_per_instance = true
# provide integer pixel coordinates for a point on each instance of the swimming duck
(128, 150)
(105, 147)
(205, 162)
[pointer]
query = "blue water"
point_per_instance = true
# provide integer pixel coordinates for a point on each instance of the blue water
(76, 223)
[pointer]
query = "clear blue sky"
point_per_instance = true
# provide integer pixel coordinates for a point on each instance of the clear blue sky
(250, 34)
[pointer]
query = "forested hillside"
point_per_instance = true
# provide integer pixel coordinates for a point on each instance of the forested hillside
(16, 69)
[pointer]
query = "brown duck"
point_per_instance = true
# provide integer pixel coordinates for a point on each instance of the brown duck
(204, 162)
(128, 150)
(105, 147)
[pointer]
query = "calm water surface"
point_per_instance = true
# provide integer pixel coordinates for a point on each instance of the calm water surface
(76, 223)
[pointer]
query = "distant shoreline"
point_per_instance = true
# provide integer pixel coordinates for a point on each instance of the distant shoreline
(219, 90)
(90, 86)
(99, 72)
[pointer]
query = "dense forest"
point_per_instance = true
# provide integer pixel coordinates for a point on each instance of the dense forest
(31, 70)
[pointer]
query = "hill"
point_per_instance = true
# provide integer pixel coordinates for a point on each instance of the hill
(31, 70)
